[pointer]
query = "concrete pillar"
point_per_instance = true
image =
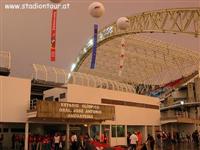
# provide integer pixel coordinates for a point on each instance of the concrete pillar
(170, 101)
(192, 113)
(153, 132)
(116, 135)
(145, 133)
(67, 140)
(89, 129)
(190, 92)
(198, 112)
(197, 88)
(125, 130)
(100, 134)
(26, 136)
(110, 134)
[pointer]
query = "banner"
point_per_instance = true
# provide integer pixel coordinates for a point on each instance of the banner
(75, 111)
(53, 35)
(121, 62)
(94, 48)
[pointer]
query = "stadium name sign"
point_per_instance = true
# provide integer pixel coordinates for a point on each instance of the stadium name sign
(66, 110)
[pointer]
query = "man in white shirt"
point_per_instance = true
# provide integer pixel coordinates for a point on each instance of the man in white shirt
(74, 141)
(133, 141)
(56, 141)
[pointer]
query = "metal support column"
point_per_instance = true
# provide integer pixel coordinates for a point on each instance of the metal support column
(67, 137)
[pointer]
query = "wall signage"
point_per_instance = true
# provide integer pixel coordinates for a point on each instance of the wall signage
(66, 110)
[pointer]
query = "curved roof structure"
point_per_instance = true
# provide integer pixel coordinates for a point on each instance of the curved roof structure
(147, 61)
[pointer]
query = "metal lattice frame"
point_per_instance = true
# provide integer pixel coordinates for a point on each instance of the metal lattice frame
(146, 61)
(49, 74)
(97, 82)
(152, 64)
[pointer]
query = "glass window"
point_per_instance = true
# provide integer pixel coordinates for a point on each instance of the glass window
(120, 131)
(5, 130)
(50, 98)
(105, 128)
(113, 130)
(62, 95)
(20, 130)
(56, 99)
(95, 132)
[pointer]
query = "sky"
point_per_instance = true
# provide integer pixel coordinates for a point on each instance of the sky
(26, 33)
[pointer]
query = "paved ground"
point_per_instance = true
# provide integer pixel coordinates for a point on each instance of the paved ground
(182, 146)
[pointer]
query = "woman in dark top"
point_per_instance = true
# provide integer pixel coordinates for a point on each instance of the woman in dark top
(151, 140)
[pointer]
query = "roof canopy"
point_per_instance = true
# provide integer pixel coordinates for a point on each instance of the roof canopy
(147, 60)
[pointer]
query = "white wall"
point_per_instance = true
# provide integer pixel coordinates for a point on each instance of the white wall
(55, 92)
(14, 99)
(124, 114)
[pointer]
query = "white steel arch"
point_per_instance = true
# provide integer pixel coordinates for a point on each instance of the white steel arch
(153, 57)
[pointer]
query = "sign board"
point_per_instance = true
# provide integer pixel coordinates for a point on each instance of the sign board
(66, 110)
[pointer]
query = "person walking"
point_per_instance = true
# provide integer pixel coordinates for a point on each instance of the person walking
(128, 139)
(56, 141)
(139, 135)
(151, 140)
(133, 141)
(74, 141)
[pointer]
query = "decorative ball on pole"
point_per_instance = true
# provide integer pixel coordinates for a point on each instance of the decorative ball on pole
(123, 23)
(96, 9)
(56, 1)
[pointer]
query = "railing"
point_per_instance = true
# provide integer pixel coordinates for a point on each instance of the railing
(5, 60)
(49, 74)
(180, 119)
(98, 82)
(181, 105)
(33, 104)
(176, 101)
(179, 114)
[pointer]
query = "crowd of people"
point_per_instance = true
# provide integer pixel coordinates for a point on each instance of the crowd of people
(39, 142)
(83, 142)
(56, 142)
(178, 137)
(135, 141)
